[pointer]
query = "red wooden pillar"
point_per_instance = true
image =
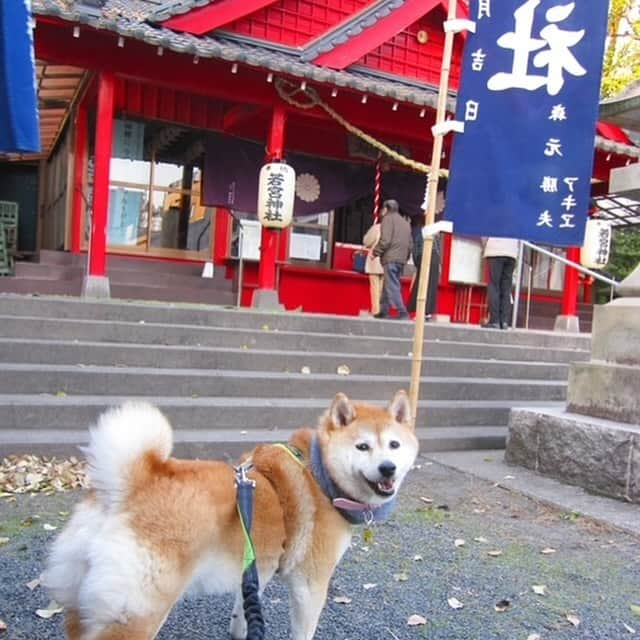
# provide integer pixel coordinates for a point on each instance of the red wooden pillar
(570, 294)
(96, 283)
(266, 291)
(79, 164)
(568, 318)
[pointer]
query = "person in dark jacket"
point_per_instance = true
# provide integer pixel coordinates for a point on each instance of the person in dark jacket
(394, 249)
(417, 223)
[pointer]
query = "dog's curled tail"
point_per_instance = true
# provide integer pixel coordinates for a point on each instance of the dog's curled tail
(120, 438)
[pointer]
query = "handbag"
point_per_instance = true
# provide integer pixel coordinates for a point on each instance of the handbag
(359, 261)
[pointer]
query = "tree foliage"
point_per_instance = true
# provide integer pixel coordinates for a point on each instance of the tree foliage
(622, 54)
(625, 253)
(625, 256)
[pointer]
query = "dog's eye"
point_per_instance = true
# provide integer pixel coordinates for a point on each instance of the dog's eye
(362, 446)
(394, 444)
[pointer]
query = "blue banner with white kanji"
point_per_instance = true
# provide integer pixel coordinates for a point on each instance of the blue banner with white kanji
(19, 129)
(528, 98)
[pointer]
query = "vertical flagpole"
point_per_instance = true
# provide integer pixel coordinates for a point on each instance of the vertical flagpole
(432, 189)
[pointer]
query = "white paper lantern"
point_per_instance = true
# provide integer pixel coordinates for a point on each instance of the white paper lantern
(276, 194)
(594, 254)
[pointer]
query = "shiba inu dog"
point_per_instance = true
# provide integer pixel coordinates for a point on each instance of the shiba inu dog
(154, 526)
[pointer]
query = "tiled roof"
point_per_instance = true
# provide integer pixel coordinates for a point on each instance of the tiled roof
(129, 18)
(618, 148)
(350, 28)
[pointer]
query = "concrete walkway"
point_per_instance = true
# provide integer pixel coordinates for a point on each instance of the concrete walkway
(490, 466)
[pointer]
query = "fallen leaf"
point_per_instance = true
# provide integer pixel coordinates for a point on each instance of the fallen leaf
(631, 630)
(3, 541)
(418, 558)
(574, 620)
(33, 584)
(61, 394)
(305, 370)
(342, 600)
(343, 370)
(547, 550)
(265, 327)
(540, 589)
(49, 527)
(459, 542)
(31, 474)
(400, 577)
(494, 553)
(52, 609)
(426, 500)
(635, 609)
(454, 603)
(369, 585)
(534, 636)
(501, 606)
(480, 539)
(416, 621)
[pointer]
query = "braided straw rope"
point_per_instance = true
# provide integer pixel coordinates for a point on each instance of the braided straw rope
(287, 90)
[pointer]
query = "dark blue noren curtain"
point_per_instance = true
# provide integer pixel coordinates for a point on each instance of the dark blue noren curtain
(528, 98)
(19, 130)
(232, 165)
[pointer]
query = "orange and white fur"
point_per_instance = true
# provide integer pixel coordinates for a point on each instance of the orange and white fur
(154, 526)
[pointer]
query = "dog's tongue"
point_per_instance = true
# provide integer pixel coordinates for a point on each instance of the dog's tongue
(386, 485)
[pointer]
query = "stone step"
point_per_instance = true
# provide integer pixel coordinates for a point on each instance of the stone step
(216, 383)
(122, 262)
(282, 321)
(229, 444)
(200, 294)
(44, 287)
(113, 331)
(190, 279)
(72, 352)
(37, 411)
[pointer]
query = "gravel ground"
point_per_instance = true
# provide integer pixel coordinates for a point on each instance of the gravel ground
(412, 567)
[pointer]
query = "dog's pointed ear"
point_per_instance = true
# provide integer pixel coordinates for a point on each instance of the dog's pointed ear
(342, 412)
(400, 409)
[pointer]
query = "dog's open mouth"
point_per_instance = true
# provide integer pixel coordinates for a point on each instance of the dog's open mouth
(385, 487)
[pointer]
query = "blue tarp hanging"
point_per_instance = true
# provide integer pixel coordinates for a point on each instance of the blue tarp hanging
(529, 102)
(19, 128)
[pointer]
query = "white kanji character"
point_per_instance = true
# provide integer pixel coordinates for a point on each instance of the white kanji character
(557, 57)
(567, 221)
(570, 182)
(569, 202)
(477, 60)
(471, 110)
(484, 9)
(558, 112)
(553, 147)
(545, 220)
(549, 184)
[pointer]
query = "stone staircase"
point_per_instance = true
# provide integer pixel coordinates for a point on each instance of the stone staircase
(61, 273)
(228, 378)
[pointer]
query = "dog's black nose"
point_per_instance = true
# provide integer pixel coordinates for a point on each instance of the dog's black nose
(387, 469)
